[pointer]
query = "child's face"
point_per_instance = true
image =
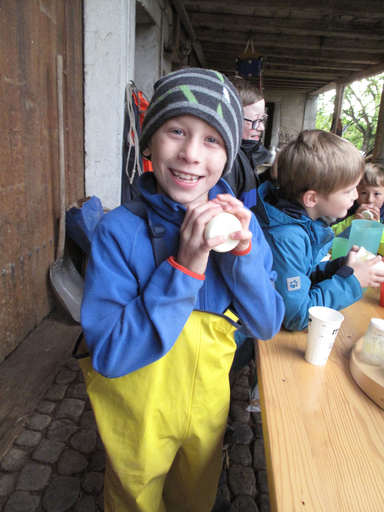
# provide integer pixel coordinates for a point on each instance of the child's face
(252, 112)
(368, 194)
(336, 204)
(188, 157)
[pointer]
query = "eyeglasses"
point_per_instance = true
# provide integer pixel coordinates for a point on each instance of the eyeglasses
(256, 122)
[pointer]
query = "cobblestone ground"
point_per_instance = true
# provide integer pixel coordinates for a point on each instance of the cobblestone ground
(57, 462)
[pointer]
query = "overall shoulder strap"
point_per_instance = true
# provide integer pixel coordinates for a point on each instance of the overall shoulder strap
(156, 231)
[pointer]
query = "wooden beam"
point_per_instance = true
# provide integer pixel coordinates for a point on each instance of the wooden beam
(325, 88)
(334, 57)
(367, 29)
(292, 8)
(366, 73)
(237, 36)
(179, 6)
(342, 68)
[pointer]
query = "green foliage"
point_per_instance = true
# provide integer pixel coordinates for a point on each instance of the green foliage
(359, 112)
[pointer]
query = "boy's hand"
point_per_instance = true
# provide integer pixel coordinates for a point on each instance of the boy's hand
(232, 205)
(365, 271)
(373, 209)
(194, 249)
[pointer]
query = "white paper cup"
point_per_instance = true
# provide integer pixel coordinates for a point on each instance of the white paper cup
(323, 326)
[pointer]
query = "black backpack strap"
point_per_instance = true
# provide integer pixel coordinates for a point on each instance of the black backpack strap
(83, 348)
(156, 231)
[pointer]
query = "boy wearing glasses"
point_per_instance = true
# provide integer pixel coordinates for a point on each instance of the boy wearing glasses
(243, 177)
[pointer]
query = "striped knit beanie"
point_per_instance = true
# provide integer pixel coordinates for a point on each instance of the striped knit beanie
(203, 93)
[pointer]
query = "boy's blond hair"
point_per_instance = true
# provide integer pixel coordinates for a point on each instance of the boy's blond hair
(319, 161)
(248, 92)
(373, 175)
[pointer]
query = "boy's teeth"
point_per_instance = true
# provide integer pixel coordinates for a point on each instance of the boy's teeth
(187, 177)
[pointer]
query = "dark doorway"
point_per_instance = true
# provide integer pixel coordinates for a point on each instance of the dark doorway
(269, 109)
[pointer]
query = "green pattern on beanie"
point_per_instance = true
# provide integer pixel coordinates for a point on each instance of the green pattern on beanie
(219, 75)
(159, 99)
(206, 94)
(188, 93)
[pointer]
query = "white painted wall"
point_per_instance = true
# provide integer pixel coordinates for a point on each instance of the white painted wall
(310, 113)
(109, 40)
(111, 47)
(152, 31)
(147, 58)
(289, 115)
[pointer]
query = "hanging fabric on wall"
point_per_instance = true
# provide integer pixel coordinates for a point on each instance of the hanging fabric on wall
(133, 164)
(249, 63)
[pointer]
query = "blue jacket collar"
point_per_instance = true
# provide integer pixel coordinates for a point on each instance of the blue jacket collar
(271, 215)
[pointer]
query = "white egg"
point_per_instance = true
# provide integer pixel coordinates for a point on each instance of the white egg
(367, 214)
(223, 224)
(363, 255)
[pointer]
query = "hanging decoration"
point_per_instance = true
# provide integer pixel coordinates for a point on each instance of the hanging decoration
(249, 64)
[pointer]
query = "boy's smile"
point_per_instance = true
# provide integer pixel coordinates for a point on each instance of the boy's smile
(181, 176)
(188, 157)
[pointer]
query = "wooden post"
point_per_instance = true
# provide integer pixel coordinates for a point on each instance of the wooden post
(336, 123)
(378, 149)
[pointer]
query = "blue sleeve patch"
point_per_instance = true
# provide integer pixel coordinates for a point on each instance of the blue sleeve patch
(293, 283)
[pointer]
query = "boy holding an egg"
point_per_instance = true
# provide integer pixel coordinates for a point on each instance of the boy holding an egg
(161, 347)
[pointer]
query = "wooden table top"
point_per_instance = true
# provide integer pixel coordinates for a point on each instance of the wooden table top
(323, 436)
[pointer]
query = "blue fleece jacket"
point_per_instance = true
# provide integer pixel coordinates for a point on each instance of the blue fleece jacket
(132, 312)
(298, 245)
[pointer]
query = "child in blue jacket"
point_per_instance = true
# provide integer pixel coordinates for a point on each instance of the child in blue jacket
(160, 344)
(369, 205)
(318, 174)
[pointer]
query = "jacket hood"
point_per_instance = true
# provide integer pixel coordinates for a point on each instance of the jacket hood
(274, 211)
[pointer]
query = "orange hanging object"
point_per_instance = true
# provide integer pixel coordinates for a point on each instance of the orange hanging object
(142, 105)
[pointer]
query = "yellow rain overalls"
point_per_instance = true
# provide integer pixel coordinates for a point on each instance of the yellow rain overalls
(162, 425)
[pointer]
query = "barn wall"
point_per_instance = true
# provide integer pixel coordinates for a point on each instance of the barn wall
(32, 33)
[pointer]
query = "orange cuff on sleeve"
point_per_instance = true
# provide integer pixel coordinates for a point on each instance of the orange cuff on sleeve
(242, 253)
(172, 261)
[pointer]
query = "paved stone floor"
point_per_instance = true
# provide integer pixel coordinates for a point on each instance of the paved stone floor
(57, 462)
